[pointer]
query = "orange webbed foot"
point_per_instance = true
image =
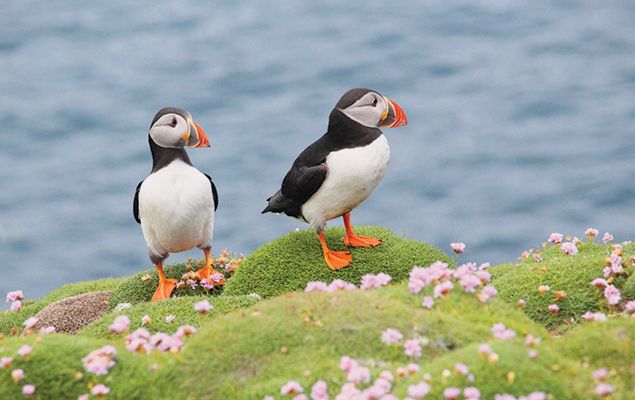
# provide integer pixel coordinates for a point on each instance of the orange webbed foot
(354, 240)
(337, 259)
(165, 289)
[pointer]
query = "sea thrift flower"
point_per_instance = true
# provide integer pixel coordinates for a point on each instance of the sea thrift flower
(600, 374)
(471, 393)
(30, 322)
(569, 248)
(291, 388)
(358, 375)
(418, 391)
(542, 289)
(604, 389)
(521, 303)
(470, 282)
(16, 306)
(319, 391)
(487, 293)
(120, 324)
(371, 281)
(451, 393)
(532, 353)
(185, 330)
(28, 390)
(612, 294)
(534, 396)
(99, 361)
(531, 340)
(347, 364)
(428, 302)
(443, 288)
(500, 331)
(14, 296)
(555, 238)
(591, 233)
(84, 396)
(391, 336)
(412, 368)
(599, 283)
(145, 320)
(589, 316)
(485, 349)
(316, 286)
(607, 238)
(202, 306)
(46, 330)
(17, 375)
(100, 390)
(504, 397)
(25, 350)
(461, 369)
(412, 348)
(169, 318)
(630, 306)
(458, 248)
(5, 362)
(553, 309)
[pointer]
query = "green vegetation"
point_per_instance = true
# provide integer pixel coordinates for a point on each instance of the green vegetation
(287, 263)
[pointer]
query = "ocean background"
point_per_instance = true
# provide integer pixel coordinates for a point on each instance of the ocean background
(521, 120)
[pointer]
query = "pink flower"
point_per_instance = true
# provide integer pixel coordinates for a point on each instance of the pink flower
(358, 375)
(599, 283)
(46, 330)
(16, 306)
(28, 390)
(120, 324)
(185, 330)
(500, 331)
(169, 318)
(319, 391)
(542, 289)
(347, 364)
(30, 322)
(316, 286)
(14, 296)
(607, 238)
(461, 369)
(412, 348)
(391, 336)
(451, 393)
(419, 391)
(458, 248)
(428, 302)
(532, 353)
(291, 388)
(145, 320)
(25, 350)
(5, 362)
(504, 397)
(471, 393)
(630, 306)
(443, 288)
(534, 396)
(604, 389)
(521, 303)
(612, 294)
(17, 375)
(470, 282)
(600, 374)
(569, 248)
(598, 316)
(531, 340)
(555, 238)
(99, 361)
(485, 349)
(412, 368)
(371, 281)
(484, 276)
(487, 293)
(591, 233)
(100, 390)
(84, 396)
(202, 306)
(553, 309)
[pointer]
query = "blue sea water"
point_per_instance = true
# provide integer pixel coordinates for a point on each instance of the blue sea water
(521, 119)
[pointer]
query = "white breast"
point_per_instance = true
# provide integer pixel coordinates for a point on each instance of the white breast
(176, 209)
(352, 176)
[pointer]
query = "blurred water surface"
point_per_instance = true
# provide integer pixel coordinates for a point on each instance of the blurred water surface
(522, 118)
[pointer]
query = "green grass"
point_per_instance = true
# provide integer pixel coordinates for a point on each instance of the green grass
(571, 274)
(181, 307)
(628, 291)
(287, 263)
(13, 320)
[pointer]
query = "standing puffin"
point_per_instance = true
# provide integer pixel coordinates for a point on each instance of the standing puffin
(175, 204)
(341, 169)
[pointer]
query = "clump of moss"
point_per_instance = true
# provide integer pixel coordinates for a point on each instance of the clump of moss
(565, 275)
(287, 263)
(182, 308)
(629, 288)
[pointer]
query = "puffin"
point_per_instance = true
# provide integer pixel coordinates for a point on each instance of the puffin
(175, 204)
(337, 172)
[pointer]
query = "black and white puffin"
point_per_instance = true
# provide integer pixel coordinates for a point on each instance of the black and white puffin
(175, 204)
(341, 169)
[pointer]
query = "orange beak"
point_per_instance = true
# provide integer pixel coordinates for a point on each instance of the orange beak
(200, 138)
(395, 116)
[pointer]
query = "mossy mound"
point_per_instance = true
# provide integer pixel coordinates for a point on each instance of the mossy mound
(562, 273)
(138, 288)
(609, 344)
(629, 288)
(182, 308)
(287, 263)
(301, 336)
(73, 313)
(13, 320)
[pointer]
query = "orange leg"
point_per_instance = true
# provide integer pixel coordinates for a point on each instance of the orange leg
(353, 240)
(207, 270)
(334, 259)
(166, 286)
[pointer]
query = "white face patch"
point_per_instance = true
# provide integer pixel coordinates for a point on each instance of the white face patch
(169, 130)
(368, 110)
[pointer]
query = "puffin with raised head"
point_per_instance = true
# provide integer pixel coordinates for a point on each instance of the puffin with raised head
(341, 169)
(175, 204)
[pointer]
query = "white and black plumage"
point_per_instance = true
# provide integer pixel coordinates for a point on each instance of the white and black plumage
(341, 169)
(175, 204)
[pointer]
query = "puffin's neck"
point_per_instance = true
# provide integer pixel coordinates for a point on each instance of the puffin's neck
(347, 132)
(162, 156)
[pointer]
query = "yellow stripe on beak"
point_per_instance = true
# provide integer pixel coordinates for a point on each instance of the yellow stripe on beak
(185, 136)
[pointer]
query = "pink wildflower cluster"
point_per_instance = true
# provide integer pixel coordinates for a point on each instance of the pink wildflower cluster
(15, 298)
(120, 324)
(441, 277)
(203, 306)
(591, 316)
(530, 396)
(603, 389)
(391, 336)
(99, 361)
(569, 248)
(458, 248)
(591, 233)
(501, 332)
(555, 238)
(335, 285)
(630, 307)
(374, 281)
(141, 341)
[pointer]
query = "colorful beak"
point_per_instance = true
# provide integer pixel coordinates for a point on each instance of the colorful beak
(197, 138)
(395, 116)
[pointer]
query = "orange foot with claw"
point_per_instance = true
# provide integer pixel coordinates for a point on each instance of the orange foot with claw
(354, 240)
(166, 285)
(207, 271)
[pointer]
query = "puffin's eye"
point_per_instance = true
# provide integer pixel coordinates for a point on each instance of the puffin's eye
(173, 122)
(375, 102)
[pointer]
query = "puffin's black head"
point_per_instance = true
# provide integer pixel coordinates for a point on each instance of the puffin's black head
(174, 128)
(371, 109)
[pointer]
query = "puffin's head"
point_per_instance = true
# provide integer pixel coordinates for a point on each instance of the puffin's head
(174, 128)
(371, 109)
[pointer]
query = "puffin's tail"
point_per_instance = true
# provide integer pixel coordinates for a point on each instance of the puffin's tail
(279, 203)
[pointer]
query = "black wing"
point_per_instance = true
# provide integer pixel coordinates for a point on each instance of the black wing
(135, 203)
(214, 192)
(302, 182)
